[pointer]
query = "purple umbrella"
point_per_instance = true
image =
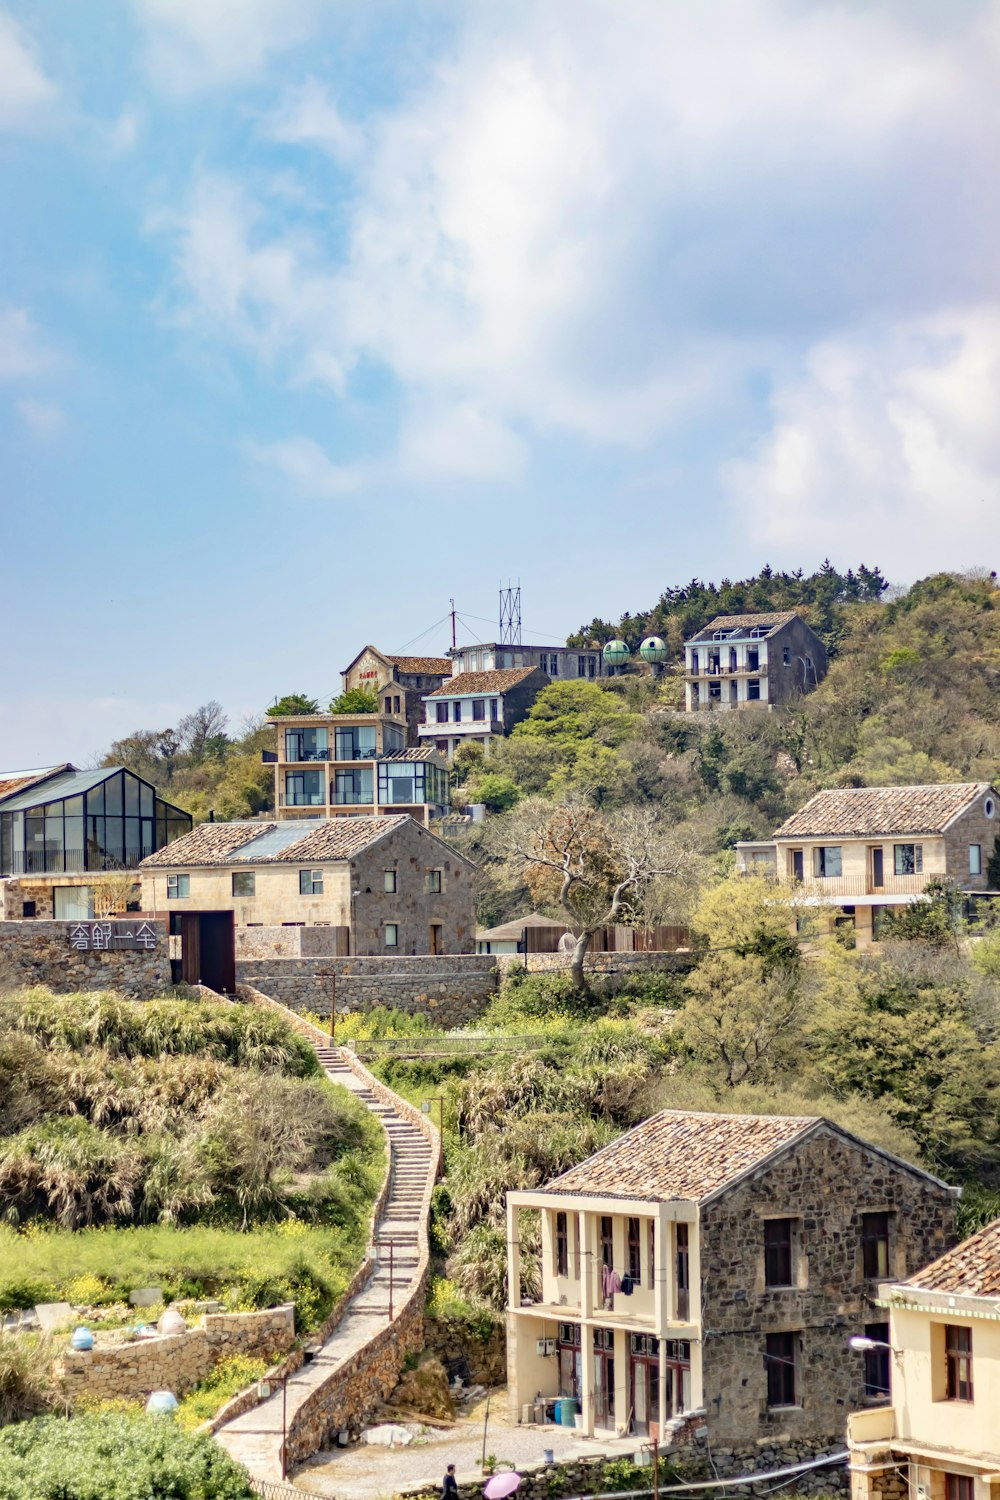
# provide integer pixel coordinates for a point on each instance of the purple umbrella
(501, 1485)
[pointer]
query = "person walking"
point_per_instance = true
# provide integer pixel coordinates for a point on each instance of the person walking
(449, 1485)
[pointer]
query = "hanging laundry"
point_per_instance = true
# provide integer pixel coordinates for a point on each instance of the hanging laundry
(627, 1285)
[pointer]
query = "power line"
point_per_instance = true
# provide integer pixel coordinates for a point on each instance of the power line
(413, 640)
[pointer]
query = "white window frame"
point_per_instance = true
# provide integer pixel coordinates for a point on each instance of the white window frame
(390, 881)
(177, 894)
(393, 928)
(314, 880)
(918, 859)
(975, 859)
(435, 882)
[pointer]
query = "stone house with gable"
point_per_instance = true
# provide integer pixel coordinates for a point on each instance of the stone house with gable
(479, 707)
(400, 682)
(939, 1437)
(706, 1271)
(737, 661)
(857, 851)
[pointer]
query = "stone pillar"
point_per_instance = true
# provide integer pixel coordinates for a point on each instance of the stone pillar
(588, 1264)
(513, 1258)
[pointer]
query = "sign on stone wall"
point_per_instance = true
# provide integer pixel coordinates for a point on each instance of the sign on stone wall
(111, 937)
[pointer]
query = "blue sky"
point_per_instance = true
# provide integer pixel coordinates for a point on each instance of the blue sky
(315, 313)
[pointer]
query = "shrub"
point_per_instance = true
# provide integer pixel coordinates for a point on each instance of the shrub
(229, 1377)
(23, 1383)
(82, 1457)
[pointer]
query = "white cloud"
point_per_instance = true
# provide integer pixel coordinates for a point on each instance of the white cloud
(25, 92)
(197, 43)
(602, 221)
(43, 418)
(310, 470)
(885, 439)
(24, 352)
(309, 117)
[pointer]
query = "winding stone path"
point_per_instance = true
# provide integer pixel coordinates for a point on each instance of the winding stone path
(255, 1438)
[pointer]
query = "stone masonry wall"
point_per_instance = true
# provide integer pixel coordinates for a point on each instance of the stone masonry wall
(34, 952)
(452, 990)
(123, 1371)
(597, 963)
(825, 1186)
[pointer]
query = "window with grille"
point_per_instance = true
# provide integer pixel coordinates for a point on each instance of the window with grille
(562, 1245)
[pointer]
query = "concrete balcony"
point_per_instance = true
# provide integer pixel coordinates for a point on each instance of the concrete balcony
(844, 887)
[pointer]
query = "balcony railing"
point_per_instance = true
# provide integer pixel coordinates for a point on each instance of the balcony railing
(306, 757)
(73, 861)
(352, 799)
(860, 885)
(740, 671)
(294, 799)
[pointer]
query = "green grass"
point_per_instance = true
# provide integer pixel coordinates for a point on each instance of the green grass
(211, 1394)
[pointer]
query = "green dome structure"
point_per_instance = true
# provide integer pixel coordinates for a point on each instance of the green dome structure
(616, 654)
(653, 650)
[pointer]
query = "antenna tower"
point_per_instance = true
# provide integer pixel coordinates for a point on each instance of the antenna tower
(510, 616)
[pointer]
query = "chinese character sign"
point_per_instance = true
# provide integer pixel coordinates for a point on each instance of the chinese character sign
(112, 937)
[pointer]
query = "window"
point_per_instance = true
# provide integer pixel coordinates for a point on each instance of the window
(244, 882)
(395, 705)
(442, 712)
(988, 807)
(607, 1241)
(877, 1361)
(753, 688)
(310, 882)
(975, 859)
(434, 882)
(553, 666)
(908, 859)
(634, 1251)
(479, 709)
(391, 935)
(178, 886)
(786, 655)
(828, 862)
(683, 1271)
(875, 1245)
(651, 1274)
(389, 881)
(306, 744)
(494, 709)
(456, 712)
(959, 1487)
(305, 788)
(958, 1354)
(352, 788)
(581, 666)
(562, 1246)
(28, 908)
(388, 705)
(780, 1361)
(778, 1252)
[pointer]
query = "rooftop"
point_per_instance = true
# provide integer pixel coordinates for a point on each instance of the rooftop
(972, 1269)
(427, 666)
(14, 781)
(513, 929)
(66, 782)
(482, 682)
(773, 622)
(297, 839)
(416, 752)
(693, 1156)
(865, 811)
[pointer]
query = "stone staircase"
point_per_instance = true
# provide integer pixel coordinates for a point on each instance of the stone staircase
(399, 1255)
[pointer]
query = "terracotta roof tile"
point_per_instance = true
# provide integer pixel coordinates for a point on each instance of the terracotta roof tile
(427, 666)
(745, 622)
(677, 1154)
(340, 838)
(972, 1269)
(208, 844)
(483, 682)
(16, 781)
(868, 810)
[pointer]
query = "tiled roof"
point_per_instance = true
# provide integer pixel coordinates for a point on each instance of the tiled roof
(340, 838)
(483, 682)
(972, 1269)
(208, 844)
(515, 927)
(864, 811)
(16, 781)
(427, 666)
(680, 1155)
(745, 622)
(415, 752)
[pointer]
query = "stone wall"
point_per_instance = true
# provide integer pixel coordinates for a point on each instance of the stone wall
(824, 1186)
(289, 942)
(452, 990)
(597, 964)
(123, 1371)
(34, 952)
(586, 1476)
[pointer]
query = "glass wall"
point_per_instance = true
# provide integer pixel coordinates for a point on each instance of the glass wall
(401, 782)
(112, 826)
(351, 788)
(354, 744)
(307, 744)
(305, 788)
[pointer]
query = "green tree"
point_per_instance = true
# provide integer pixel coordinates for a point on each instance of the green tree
(568, 713)
(355, 701)
(498, 793)
(293, 703)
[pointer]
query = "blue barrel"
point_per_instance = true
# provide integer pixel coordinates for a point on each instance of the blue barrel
(567, 1409)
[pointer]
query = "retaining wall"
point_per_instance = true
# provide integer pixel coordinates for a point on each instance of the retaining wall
(39, 952)
(452, 990)
(598, 963)
(175, 1362)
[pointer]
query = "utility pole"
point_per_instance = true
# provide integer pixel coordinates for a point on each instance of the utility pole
(454, 640)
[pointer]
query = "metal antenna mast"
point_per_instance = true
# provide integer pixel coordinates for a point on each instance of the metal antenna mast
(510, 615)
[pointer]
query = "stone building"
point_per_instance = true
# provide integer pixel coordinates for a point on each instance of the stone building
(386, 884)
(558, 662)
(479, 707)
(740, 660)
(939, 1438)
(718, 1265)
(857, 852)
(399, 682)
(350, 765)
(62, 829)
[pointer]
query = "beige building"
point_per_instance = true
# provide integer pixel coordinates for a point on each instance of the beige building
(737, 661)
(400, 682)
(713, 1267)
(386, 883)
(858, 851)
(939, 1438)
(351, 765)
(479, 707)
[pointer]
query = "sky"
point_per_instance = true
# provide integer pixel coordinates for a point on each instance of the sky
(315, 314)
